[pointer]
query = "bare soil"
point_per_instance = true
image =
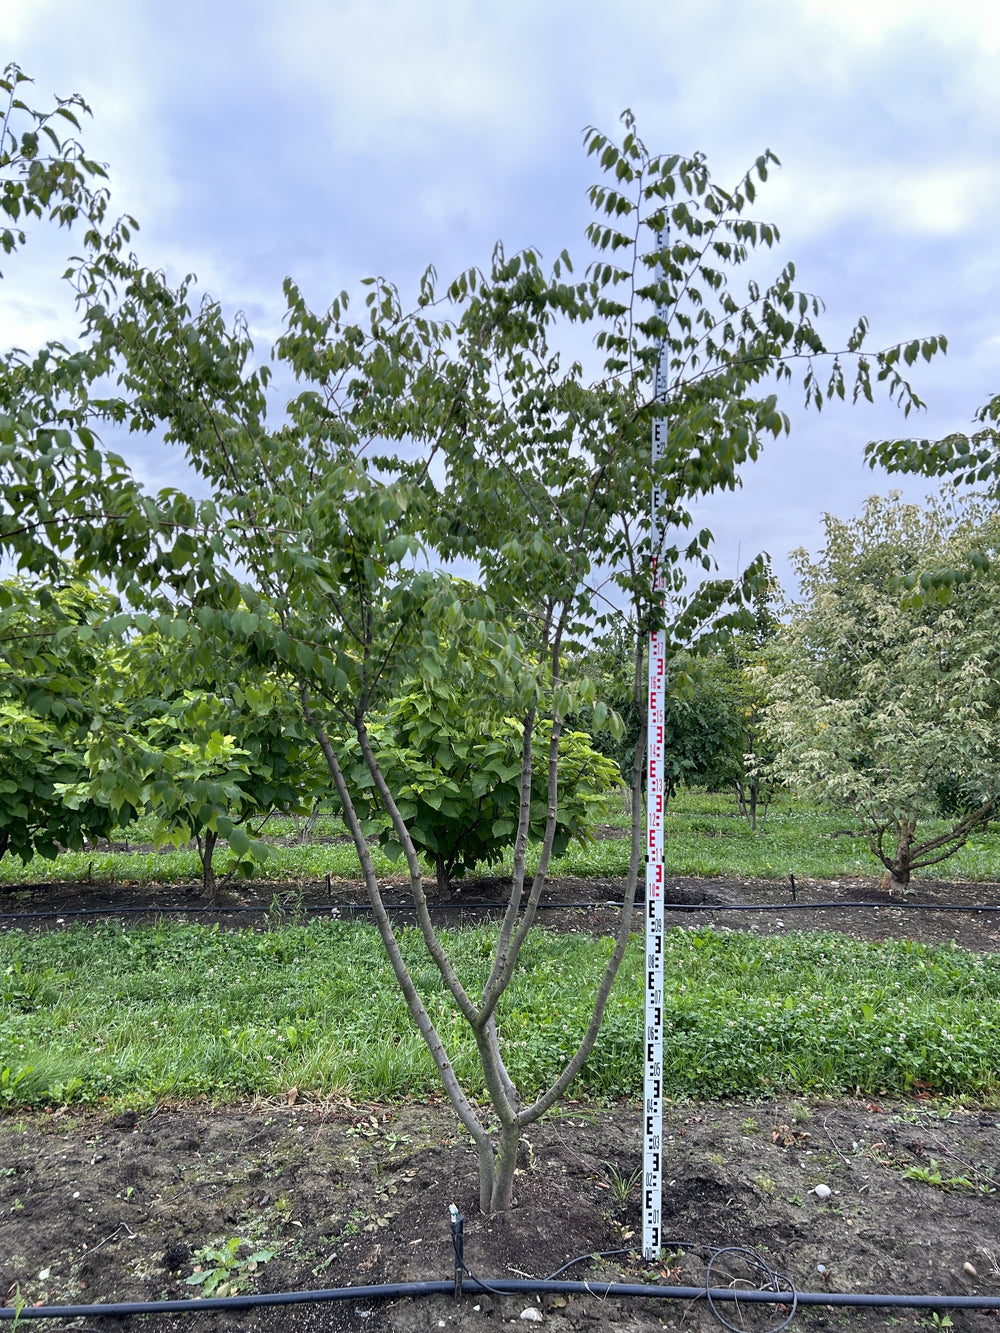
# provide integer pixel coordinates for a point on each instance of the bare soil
(113, 1206)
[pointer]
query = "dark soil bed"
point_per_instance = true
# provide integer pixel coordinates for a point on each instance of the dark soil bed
(114, 1206)
(764, 906)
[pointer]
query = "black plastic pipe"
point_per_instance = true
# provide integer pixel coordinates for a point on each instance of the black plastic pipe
(315, 909)
(602, 1290)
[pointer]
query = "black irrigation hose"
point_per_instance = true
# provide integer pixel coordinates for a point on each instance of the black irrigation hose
(316, 909)
(778, 1283)
(779, 1290)
(503, 1286)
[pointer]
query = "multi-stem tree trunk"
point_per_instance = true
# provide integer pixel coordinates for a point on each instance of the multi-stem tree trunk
(900, 865)
(906, 854)
(497, 1158)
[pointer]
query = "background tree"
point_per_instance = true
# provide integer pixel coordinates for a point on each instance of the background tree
(712, 705)
(454, 769)
(200, 746)
(752, 780)
(883, 704)
(453, 430)
(51, 654)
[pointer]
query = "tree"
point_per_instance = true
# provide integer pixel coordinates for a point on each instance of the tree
(886, 704)
(711, 707)
(453, 429)
(203, 748)
(454, 769)
(50, 655)
(753, 784)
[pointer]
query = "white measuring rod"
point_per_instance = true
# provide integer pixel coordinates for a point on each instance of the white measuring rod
(652, 1162)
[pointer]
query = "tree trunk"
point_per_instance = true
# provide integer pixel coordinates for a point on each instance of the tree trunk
(504, 1167)
(206, 850)
(442, 874)
(900, 865)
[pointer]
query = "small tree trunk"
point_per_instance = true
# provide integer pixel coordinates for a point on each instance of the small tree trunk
(899, 866)
(442, 874)
(206, 850)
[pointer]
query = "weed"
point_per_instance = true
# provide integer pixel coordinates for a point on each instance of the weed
(221, 1272)
(801, 1113)
(622, 1183)
(932, 1175)
(764, 1182)
(20, 1301)
(392, 1142)
(750, 1125)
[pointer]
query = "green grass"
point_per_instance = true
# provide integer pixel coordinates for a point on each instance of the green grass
(703, 836)
(178, 1010)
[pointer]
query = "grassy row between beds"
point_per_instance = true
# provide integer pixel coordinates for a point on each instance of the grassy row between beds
(703, 837)
(106, 1015)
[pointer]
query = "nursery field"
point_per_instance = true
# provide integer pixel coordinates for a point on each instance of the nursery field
(182, 1092)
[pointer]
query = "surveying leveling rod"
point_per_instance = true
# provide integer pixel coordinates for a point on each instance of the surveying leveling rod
(652, 1165)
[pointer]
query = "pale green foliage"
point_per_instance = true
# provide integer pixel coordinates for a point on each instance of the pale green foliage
(888, 702)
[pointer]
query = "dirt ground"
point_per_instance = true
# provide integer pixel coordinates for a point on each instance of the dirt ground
(115, 1206)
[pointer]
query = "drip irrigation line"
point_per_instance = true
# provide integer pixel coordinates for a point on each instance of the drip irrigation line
(779, 1283)
(775, 1289)
(506, 1287)
(352, 908)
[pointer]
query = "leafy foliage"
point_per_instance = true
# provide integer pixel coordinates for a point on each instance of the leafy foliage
(973, 459)
(50, 655)
(455, 775)
(203, 748)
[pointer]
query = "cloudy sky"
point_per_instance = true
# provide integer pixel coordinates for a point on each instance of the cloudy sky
(329, 139)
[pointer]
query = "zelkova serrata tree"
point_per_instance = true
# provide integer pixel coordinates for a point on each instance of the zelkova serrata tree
(455, 430)
(888, 703)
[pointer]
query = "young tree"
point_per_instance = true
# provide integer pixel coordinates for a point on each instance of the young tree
(753, 784)
(453, 430)
(202, 747)
(883, 703)
(454, 769)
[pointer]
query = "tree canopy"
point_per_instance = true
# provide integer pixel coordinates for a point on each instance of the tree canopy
(886, 703)
(452, 426)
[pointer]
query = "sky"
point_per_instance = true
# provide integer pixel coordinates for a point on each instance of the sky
(331, 139)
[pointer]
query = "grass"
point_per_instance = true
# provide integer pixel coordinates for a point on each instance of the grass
(703, 837)
(179, 1010)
